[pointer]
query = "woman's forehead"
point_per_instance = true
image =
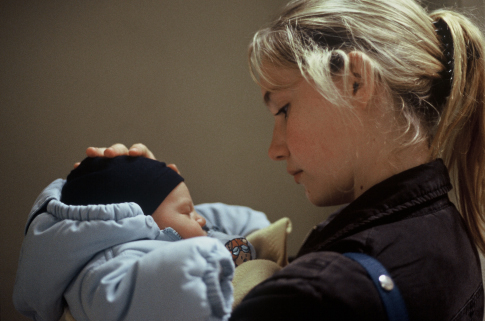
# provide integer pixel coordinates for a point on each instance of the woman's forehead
(275, 78)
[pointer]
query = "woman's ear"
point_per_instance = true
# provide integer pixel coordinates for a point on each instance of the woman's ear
(361, 78)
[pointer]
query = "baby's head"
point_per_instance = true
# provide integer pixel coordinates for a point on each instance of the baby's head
(159, 190)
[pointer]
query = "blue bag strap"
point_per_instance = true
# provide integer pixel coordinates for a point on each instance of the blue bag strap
(388, 291)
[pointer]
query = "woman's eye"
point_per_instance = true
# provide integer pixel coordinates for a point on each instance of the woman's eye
(283, 111)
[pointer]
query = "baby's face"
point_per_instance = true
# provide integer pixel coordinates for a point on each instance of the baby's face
(177, 211)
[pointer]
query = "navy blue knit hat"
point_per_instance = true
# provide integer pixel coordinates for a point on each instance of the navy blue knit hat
(97, 180)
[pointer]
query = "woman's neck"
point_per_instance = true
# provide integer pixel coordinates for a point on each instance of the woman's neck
(381, 162)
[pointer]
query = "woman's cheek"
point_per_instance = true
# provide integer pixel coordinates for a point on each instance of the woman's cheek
(296, 135)
(305, 142)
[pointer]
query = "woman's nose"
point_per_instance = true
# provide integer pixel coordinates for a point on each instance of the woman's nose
(278, 149)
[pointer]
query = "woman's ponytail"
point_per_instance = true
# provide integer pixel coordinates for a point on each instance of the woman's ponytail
(460, 137)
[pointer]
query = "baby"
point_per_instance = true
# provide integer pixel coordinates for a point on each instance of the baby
(120, 240)
(159, 190)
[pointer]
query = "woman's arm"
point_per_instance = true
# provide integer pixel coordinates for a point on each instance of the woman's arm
(317, 286)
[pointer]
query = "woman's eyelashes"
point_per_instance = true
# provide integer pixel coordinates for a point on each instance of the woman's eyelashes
(283, 111)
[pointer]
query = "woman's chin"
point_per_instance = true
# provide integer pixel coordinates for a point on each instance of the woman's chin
(328, 200)
(317, 201)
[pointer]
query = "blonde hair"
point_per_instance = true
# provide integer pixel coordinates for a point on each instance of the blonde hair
(406, 55)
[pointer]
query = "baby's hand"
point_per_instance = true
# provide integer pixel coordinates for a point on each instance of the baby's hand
(118, 150)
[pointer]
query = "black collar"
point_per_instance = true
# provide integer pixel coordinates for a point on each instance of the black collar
(390, 200)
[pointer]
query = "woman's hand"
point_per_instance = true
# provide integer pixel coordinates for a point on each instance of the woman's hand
(119, 150)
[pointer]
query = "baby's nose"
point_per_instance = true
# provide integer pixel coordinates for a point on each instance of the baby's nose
(200, 219)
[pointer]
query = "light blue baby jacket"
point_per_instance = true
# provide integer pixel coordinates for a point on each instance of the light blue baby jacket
(111, 262)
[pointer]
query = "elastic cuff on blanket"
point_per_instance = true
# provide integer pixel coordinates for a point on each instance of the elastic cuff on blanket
(219, 286)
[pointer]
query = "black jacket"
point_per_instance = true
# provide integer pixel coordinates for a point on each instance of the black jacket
(407, 223)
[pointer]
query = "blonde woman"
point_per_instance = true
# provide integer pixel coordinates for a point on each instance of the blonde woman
(375, 102)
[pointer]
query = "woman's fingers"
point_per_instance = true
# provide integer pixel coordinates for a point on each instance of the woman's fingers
(95, 151)
(140, 150)
(116, 150)
(174, 167)
(119, 150)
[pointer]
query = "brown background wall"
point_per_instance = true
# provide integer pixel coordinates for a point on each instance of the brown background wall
(170, 74)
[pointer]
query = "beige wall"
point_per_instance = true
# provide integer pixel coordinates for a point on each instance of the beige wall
(171, 74)
(473, 8)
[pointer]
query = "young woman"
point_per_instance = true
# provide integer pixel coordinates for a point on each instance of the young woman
(374, 102)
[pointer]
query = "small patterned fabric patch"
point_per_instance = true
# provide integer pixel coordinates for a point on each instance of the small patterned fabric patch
(240, 251)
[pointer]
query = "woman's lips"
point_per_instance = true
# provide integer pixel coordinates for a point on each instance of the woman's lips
(297, 176)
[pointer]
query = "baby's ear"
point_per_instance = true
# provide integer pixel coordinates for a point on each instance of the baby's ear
(361, 79)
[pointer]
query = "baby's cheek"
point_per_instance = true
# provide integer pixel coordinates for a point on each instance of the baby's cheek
(198, 231)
